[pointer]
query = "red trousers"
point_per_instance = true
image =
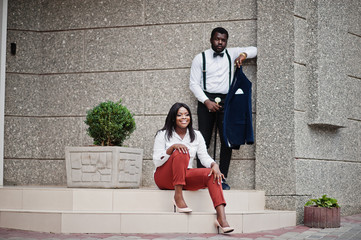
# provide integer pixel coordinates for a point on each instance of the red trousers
(175, 172)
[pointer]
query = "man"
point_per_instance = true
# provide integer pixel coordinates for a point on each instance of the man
(211, 76)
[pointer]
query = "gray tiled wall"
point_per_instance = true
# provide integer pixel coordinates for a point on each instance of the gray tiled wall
(73, 55)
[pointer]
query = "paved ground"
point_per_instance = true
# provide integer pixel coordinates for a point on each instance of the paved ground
(350, 229)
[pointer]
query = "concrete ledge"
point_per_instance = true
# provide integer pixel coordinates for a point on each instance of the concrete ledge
(73, 210)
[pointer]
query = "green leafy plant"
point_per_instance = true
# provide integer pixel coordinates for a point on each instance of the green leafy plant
(324, 201)
(109, 123)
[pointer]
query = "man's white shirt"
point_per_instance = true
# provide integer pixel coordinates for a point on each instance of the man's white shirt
(217, 71)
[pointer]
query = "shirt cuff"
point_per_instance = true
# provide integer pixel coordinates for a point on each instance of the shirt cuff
(202, 100)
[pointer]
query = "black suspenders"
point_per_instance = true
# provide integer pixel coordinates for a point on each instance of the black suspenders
(204, 69)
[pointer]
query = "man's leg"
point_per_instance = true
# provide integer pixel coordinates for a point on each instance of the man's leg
(205, 125)
(226, 152)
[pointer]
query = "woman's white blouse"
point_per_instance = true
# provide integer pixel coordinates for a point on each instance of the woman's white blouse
(198, 146)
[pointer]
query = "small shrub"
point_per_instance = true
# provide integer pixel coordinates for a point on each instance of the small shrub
(109, 123)
(324, 201)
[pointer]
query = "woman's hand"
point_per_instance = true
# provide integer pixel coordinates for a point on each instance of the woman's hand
(217, 175)
(180, 147)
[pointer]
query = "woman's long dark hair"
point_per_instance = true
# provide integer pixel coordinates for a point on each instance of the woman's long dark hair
(170, 121)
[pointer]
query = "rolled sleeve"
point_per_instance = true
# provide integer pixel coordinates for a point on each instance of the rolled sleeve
(159, 150)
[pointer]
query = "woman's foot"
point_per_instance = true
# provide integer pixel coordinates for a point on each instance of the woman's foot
(224, 227)
(179, 202)
(223, 222)
(179, 209)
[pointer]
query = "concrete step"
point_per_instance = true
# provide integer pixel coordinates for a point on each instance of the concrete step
(71, 210)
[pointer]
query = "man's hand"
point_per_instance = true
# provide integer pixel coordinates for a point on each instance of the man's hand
(212, 106)
(238, 62)
(217, 175)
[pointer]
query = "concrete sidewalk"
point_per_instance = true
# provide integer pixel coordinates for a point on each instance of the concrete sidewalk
(350, 229)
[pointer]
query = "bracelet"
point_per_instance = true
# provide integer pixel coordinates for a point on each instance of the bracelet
(243, 54)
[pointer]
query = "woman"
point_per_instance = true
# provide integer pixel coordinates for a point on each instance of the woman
(175, 147)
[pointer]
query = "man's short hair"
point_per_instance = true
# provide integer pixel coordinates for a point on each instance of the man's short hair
(219, 30)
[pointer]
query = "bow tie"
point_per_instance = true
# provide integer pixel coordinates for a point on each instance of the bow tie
(215, 54)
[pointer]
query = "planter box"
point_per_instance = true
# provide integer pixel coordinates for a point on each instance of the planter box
(103, 167)
(319, 217)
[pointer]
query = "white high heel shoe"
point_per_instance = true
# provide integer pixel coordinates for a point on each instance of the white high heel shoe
(223, 229)
(181, 210)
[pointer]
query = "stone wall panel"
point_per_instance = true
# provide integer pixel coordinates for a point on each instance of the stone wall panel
(164, 11)
(302, 8)
(315, 142)
(318, 177)
(327, 143)
(34, 172)
(241, 174)
(353, 16)
(62, 51)
(353, 55)
(28, 52)
(40, 138)
(114, 49)
(241, 33)
(301, 51)
(301, 87)
(22, 95)
(72, 94)
(353, 89)
(25, 20)
(90, 14)
(328, 30)
(171, 46)
(164, 88)
(275, 98)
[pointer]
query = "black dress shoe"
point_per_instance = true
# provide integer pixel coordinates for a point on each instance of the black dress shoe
(225, 186)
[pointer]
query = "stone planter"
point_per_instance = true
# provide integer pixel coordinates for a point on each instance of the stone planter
(319, 217)
(103, 167)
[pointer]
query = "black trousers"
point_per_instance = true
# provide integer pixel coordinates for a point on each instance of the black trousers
(206, 122)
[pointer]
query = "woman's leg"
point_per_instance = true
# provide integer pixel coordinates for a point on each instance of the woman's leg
(172, 174)
(198, 178)
(221, 216)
